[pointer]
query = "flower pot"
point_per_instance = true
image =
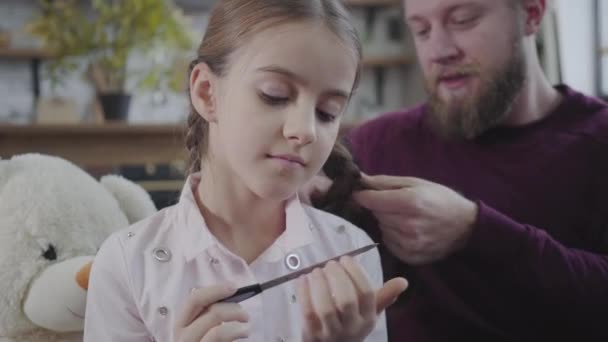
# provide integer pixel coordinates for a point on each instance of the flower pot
(115, 106)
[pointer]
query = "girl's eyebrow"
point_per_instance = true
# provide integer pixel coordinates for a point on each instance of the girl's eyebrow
(296, 78)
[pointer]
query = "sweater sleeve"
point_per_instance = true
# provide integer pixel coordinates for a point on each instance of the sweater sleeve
(567, 281)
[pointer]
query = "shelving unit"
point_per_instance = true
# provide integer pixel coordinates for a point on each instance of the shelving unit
(24, 53)
(379, 64)
(35, 56)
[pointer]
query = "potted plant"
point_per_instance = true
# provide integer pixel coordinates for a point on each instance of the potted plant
(104, 34)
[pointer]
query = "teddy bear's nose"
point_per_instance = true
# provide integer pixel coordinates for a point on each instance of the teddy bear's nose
(82, 277)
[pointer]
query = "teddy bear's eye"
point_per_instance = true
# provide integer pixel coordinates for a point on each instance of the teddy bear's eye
(50, 253)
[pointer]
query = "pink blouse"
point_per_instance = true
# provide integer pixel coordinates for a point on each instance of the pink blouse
(142, 276)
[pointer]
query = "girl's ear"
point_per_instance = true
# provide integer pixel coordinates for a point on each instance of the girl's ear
(202, 83)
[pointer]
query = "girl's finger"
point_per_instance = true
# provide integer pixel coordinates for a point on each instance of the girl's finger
(228, 332)
(217, 314)
(311, 320)
(200, 299)
(367, 296)
(323, 303)
(344, 293)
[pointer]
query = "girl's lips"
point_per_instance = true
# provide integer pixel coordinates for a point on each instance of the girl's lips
(289, 159)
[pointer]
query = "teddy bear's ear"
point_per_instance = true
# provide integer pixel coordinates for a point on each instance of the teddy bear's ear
(132, 198)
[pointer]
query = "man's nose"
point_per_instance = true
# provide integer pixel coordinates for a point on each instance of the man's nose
(442, 47)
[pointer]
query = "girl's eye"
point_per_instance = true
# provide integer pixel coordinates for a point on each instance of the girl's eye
(279, 101)
(325, 117)
(273, 100)
(464, 21)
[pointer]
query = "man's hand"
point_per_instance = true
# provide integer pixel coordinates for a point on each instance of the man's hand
(421, 221)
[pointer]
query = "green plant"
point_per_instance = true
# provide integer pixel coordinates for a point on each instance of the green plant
(105, 33)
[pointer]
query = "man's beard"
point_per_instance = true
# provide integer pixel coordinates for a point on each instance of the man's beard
(471, 115)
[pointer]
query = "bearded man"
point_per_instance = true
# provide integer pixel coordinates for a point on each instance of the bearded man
(491, 197)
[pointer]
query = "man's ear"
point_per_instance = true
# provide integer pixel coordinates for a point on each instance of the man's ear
(534, 11)
(202, 94)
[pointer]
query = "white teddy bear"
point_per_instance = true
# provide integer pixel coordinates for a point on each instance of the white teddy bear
(53, 218)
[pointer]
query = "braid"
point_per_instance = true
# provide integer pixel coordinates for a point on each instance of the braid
(346, 176)
(195, 132)
(194, 140)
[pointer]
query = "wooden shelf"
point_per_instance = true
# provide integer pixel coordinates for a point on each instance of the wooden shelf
(387, 61)
(24, 53)
(106, 129)
(371, 3)
(162, 185)
(96, 145)
(34, 56)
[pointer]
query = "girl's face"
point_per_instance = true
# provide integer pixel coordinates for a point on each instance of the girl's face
(274, 116)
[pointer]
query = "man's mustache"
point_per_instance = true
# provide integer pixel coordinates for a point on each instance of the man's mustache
(444, 72)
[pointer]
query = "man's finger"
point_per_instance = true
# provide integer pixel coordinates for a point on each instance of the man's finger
(383, 182)
(383, 201)
(401, 223)
(389, 293)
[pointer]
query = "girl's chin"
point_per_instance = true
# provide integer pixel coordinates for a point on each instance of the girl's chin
(274, 191)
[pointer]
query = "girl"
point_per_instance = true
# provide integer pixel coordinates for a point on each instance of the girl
(268, 89)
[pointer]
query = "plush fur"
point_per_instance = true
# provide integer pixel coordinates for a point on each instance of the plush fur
(46, 201)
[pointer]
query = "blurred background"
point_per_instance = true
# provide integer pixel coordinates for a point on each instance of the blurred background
(116, 103)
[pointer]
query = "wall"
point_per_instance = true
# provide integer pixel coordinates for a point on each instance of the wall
(575, 31)
(604, 45)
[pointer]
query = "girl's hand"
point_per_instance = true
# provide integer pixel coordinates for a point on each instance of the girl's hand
(339, 304)
(205, 320)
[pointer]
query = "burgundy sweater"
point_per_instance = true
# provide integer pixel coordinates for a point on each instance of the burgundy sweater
(536, 265)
